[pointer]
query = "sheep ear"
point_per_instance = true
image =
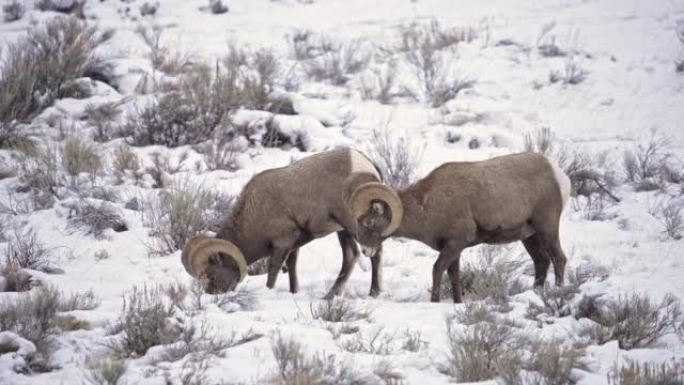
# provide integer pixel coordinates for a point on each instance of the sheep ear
(377, 208)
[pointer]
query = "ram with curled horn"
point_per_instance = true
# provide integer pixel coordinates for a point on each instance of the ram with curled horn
(282, 209)
(516, 197)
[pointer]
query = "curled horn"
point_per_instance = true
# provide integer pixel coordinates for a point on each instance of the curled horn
(365, 194)
(198, 250)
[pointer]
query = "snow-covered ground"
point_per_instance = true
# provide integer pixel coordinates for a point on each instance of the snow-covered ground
(627, 49)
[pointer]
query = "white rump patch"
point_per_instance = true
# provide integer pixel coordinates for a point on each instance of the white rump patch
(562, 179)
(359, 163)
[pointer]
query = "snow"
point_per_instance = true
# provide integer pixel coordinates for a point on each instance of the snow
(627, 48)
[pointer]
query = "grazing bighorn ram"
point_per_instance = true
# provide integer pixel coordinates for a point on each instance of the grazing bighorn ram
(282, 209)
(462, 204)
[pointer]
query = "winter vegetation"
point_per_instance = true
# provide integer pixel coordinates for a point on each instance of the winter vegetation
(129, 127)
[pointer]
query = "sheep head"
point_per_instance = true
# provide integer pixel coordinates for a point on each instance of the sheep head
(378, 211)
(219, 264)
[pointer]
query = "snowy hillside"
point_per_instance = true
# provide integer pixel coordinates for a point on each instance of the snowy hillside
(129, 126)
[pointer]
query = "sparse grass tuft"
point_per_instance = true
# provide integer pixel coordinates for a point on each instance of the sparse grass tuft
(377, 343)
(325, 59)
(473, 313)
(672, 217)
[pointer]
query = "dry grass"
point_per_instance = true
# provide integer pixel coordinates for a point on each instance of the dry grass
(326, 59)
(80, 157)
(105, 371)
(104, 119)
(79, 301)
(672, 217)
(647, 166)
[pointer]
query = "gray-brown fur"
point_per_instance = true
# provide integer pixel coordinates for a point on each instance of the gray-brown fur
(282, 209)
(501, 200)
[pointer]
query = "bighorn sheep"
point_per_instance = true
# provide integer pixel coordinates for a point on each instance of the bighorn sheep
(462, 204)
(282, 209)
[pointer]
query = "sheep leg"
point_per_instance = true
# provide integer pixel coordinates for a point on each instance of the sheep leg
(274, 265)
(559, 260)
(376, 272)
(292, 270)
(350, 253)
(447, 256)
(540, 259)
(454, 277)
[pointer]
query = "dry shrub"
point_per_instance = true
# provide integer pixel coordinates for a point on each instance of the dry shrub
(377, 343)
(79, 301)
(337, 310)
(295, 368)
(474, 312)
(182, 212)
(422, 46)
(492, 277)
(217, 7)
(327, 59)
(552, 363)
(144, 322)
(95, 218)
(644, 373)
(39, 169)
(201, 342)
(647, 165)
(572, 72)
(125, 163)
(80, 157)
(69, 7)
(379, 83)
(679, 63)
(13, 10)
(396, 158)
(105, 371)
(25, 251)
(39, 67)
(481, 352)
(16, 279)
(221, 153)
(32, 316)
(635, 321)
(672, 217)
(104, 118)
